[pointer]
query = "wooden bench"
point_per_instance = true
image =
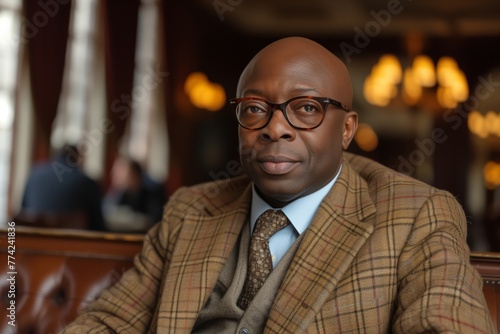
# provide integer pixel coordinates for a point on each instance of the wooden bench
(59, 271)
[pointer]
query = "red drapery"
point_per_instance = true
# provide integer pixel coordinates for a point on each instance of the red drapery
(120, 42)
(45, 29)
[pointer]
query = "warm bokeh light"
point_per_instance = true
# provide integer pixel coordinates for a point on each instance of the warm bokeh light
(204, 94)
(380, 87)
(201, 94)
(423, 71)
(460, 87)
(444, 67)
(193, 79)
(484, 125)
(388, 68)
(445, 97)
(379, 91)
(411, 88)
(366, 138)
(475, 123)
(492, 121)
(456, 88)
(491, 174)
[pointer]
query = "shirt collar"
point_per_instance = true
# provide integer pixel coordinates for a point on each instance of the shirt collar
(300, 212)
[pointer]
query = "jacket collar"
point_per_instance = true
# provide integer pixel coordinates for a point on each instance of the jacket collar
(341, 226)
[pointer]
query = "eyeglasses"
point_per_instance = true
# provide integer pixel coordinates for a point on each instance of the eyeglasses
(301, 112)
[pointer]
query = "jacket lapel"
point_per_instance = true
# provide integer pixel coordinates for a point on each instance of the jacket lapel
(342, 224)
(203, 246)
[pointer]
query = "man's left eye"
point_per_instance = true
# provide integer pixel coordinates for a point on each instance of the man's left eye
(308, 108)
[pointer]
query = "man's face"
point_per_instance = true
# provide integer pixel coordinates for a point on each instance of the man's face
(286, 163)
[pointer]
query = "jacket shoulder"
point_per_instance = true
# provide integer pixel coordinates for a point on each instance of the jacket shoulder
(378, 176)
(213, 197)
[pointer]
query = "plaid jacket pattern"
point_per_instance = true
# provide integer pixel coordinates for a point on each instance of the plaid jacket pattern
(383, 254)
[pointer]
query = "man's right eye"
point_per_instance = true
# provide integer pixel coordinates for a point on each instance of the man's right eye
(254, 109)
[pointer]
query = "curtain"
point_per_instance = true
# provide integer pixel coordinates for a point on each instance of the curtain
(45, 29)
(120, 42)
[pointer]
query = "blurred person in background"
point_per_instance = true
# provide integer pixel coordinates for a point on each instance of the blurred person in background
(134, 201)
(59, 194)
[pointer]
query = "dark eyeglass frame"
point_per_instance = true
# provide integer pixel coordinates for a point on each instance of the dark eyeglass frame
(324, 101)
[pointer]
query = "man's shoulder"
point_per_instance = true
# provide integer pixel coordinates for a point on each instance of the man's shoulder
(213, 197)
(392, 191)
(379, 176)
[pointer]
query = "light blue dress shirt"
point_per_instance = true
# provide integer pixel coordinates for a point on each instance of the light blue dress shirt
(300, 213)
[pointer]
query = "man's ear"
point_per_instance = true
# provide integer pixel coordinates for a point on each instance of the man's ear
(350, 126)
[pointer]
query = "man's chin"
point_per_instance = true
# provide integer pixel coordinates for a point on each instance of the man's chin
(277, 194)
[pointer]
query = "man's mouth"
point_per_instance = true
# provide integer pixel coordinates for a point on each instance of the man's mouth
(277, 165)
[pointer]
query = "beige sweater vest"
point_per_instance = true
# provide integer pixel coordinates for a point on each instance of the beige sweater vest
(221, 313)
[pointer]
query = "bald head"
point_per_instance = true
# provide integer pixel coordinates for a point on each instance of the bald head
(297, 58)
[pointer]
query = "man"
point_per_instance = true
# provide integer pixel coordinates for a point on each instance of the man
(59, 186)
(362, 249)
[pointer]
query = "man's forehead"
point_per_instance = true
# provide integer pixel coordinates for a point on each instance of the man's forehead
(286, 82)
(299, 59)
(292, 56)
(299, 69)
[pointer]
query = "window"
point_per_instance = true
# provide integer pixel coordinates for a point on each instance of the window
(9, 53)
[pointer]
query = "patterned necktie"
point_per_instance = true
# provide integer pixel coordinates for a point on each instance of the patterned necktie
(260, 262)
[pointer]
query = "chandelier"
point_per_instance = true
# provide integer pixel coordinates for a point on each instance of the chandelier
(388, 79)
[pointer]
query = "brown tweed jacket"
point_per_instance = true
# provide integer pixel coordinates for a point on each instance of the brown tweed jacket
(384, 253)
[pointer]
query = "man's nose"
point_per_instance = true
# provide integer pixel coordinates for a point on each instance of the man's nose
(278, 127)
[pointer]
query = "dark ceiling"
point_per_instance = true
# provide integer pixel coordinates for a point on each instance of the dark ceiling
(320, 17)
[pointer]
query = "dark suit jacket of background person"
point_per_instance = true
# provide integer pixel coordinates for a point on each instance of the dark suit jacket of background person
(384, 253)
(56, 187)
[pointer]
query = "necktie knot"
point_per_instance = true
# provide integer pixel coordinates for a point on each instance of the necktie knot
(270, 222)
